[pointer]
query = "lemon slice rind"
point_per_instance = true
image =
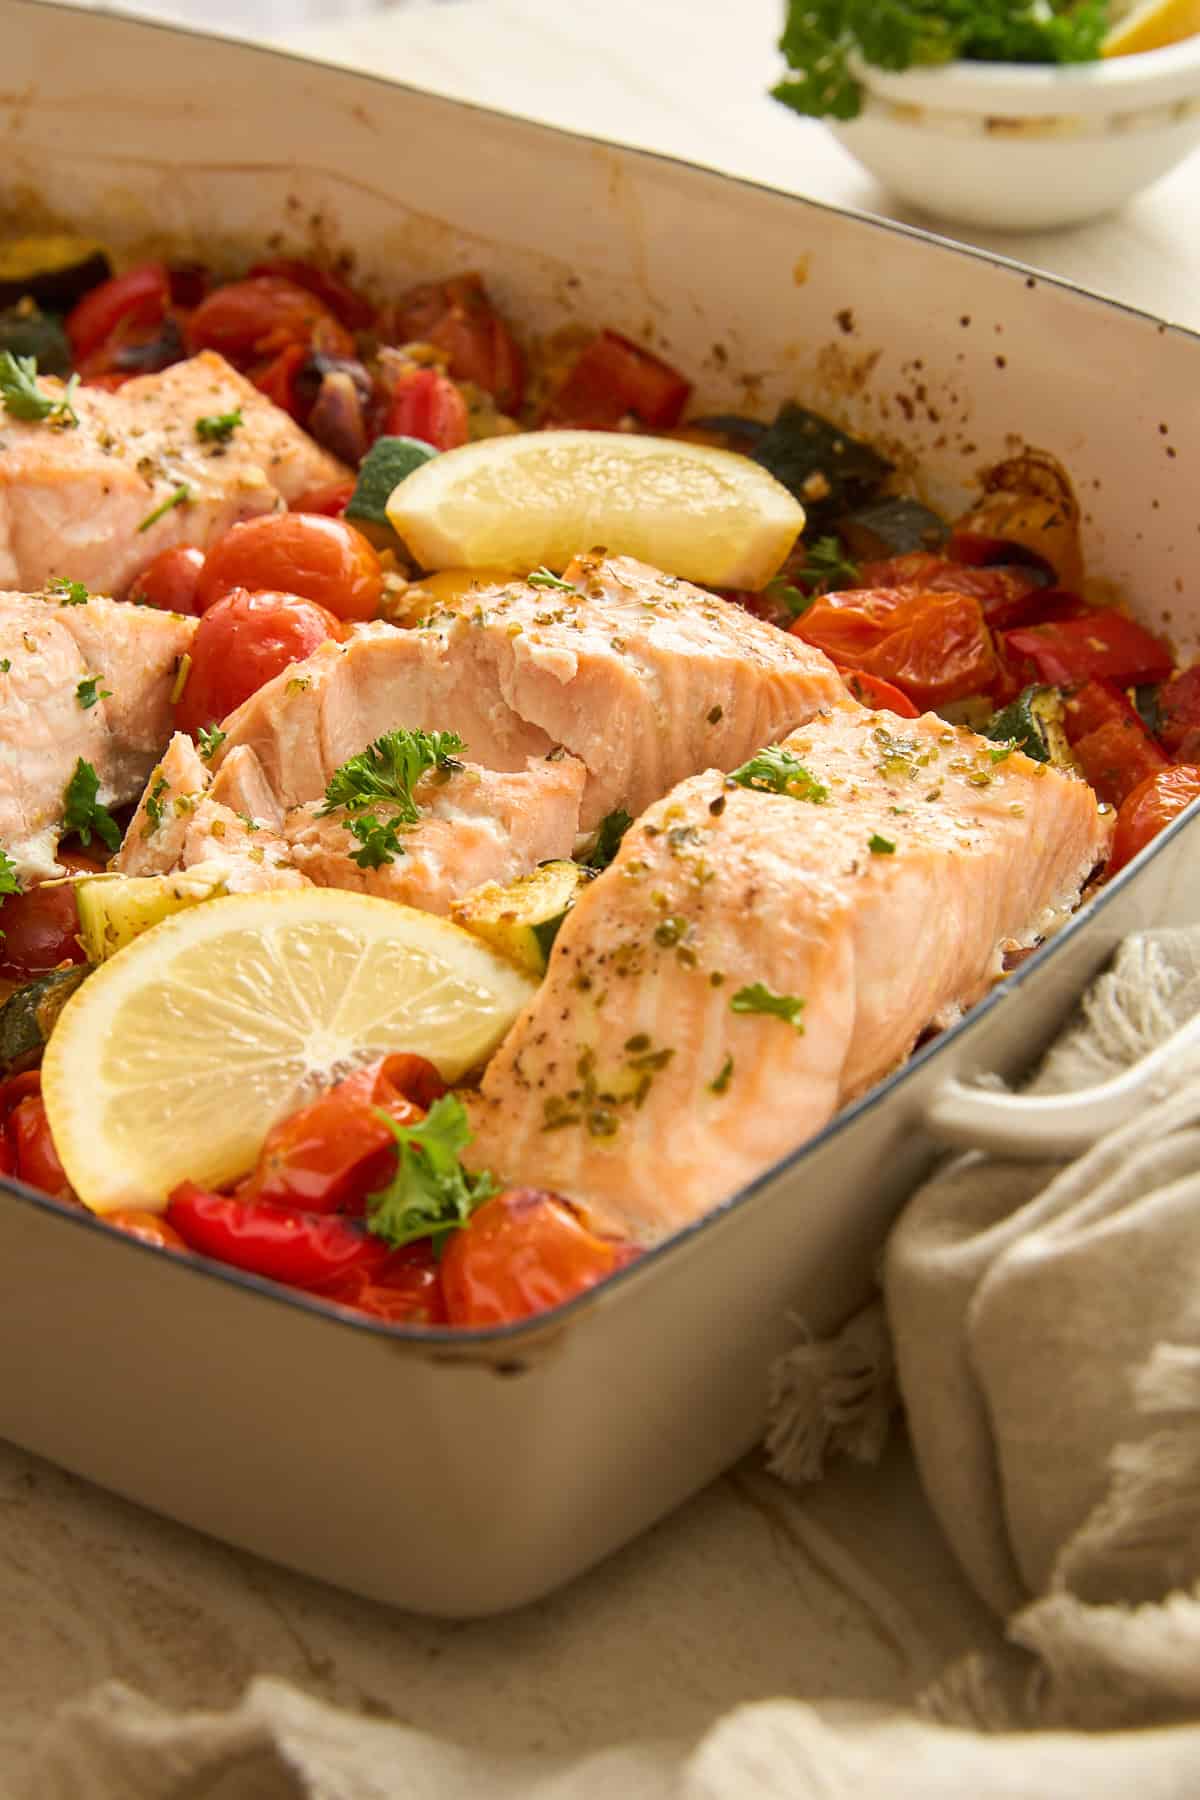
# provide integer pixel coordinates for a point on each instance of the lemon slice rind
(192, 1041)
(542, 497)
(1155, 25)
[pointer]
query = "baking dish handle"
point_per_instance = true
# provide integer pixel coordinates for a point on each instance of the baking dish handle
(1031, 1127)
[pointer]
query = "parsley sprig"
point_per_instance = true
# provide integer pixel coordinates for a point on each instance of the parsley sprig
(823, 38)
(24, 399)
(384, 775)
(546, 578)
(181, 496)
(9, 884)
(67, 593)
(82, 811)
(760, 999)
(89, 691)
(218, 428)
(776, 771)
(431, 1193)
(209, 739)
(826, 567)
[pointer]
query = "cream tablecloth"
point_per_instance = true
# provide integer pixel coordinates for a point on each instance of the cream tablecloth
(752, 1590)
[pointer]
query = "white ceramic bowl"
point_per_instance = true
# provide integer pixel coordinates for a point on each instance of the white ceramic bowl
(1027, 147)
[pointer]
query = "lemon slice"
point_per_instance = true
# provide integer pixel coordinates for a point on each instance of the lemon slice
(543, 496)
(192, 1041)
(1153, 26)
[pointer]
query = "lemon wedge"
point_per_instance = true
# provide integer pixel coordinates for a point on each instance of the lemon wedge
(192, 1041)
(542, 497)
(1153, 26)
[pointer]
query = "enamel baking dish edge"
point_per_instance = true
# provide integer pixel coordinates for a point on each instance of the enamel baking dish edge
(466, 1475)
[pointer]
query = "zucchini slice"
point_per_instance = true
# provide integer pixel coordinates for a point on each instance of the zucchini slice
(521, 920)
(30, 1014)
(891, 527)
(383, 468)
(24, 331)
(115, 909)
(1034, 723)
(56, 271)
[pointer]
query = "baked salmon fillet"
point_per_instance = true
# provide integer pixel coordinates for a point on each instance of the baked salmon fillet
(81, 501)
(754, 959)
(87, 680)
(643, 677)
(476, 825)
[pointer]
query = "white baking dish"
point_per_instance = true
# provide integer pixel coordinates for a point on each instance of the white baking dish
(465, 1474)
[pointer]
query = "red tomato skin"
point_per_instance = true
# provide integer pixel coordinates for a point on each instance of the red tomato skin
(330, 501)
(523, 1251)
(169, 583)
(314, 1251)
(347, 306)
(879, 696)
(1150, 808)
(1007, 596)
(614, 379)
(140, 297)
(333, 1153)
(1099, 644)
(241, 642)
(36, 1158)
(934, 647)
(458, 318)
(41, 925)
(425, 404)
(320, 559)
(1179, 704)
(407, 1290)
(277, 380)
(252, 321)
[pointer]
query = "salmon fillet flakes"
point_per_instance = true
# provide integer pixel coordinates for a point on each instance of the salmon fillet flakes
(755, 959)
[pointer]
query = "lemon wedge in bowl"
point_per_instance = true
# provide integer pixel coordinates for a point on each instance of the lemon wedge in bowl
(541, 497)
(1152, 26)
(193, 1040)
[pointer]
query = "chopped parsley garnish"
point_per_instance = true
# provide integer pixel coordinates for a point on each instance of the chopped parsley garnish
(218, 428)
(545, 578)
(611, 830)
(210, 738)
(721, 1083)
(880, 846)
(88, 692)
(180, 497)
(431, 1193)
(760, 999)
(385, 774)
(826, 565)
(82, 811)
(154, 805)
(789, 595)
(8, 874)
(378, 839)
(5, 665)
(24, 399)
(67, 593)
(777, 771)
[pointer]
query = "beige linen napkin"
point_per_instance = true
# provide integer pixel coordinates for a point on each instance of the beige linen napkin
(1045, 1324)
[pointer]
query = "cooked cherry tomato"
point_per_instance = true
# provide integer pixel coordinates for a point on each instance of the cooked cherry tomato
(170, 581)
(1150, 808)
(321, 559)
(334, 1152)
(933, 647)
(425, 404)
(36, 1158)
(1179, 709)
(304, 1250)
(457, 317)
(407, 1290)
(1101, 644)
(1008, 596)
(331, 500)
(870, 691)
(138, 298)
(355, 313)
(523, 1251)
(147, 1227)
(279, 379)
(252, 321)
(41, 925)
(613, 380)
(1111, 745)
(241, 642)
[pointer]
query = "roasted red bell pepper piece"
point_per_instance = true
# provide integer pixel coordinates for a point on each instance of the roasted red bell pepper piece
(277, 379)
(307, 1250)
(1179, 709)
(140, 297)
(613, 380)
(425, 404)
(334, 1152)
(879, 695)
(1111, 745)
(1101, 644)
(407, 1290)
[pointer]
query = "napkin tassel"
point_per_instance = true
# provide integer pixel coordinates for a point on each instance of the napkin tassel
(832, 1397)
